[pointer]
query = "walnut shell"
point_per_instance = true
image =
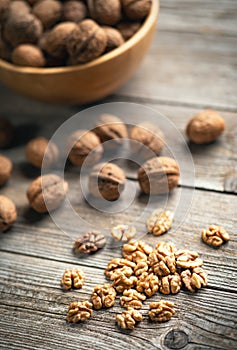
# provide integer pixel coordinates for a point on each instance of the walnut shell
(147, 140)
(84, 144)
(158, 175)
(22, 29)
(74, 11)
(111, 128)
(86, 42)
(28, 55)
(114, 38)
(18, 7)
(47, 193)
(106, 12)
(136, 9)
(39, 150)
(107, 180)
(48, 11)
(128, 29)
(56, 39)
(8, 213)
(205, 127)
(5, 169)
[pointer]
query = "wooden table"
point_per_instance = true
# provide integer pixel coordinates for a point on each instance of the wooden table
(191, 66)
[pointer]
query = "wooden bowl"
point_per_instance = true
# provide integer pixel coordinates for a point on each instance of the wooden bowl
(83, 83)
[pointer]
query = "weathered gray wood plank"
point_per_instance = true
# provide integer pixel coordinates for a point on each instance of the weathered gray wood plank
(31, 293)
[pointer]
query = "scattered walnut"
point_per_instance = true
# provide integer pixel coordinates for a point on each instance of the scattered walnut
(123, 282)
(148, 283)
(103, 296)
(90, 242)
(170, 284)
(161, 311)
(131, 250)
(79, 311)
(159, 222)
(40, 151)
(73, 278)
(128, 318)
(215, 235)
(8, 213)
(205, 127)
(117, 266)
(140, 268)
(123, 232)
(162, 259)
(132, 298)
(187, 259)
(194, 279)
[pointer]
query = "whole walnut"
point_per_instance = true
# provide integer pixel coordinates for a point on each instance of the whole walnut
(86, 42)
(84, 144)
(48, 11)
(128, 29)
(5, 50)
(40, 151)
(106, 12)
(47, 193)
(136, 9)
(4, 9)
(74, 10)
(28, 55)
(107, 180)
(18, 7)
(56, 39)
(158, 175)
(111, 128)
(6, 133)
(5, 169)
(22, 29)
(8, 213)
(146, 140)
(205, 127)
(114, 38)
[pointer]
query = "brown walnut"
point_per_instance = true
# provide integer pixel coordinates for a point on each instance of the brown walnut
(40, 151)
(158, 175)
(28, 55)
(74, 10)
(84, 145)
(5, 169)
(107, 180)
(205, 127)
(47, 193)
(114, 38)
(18, 8)
(106, 12)
(8, 213)
(136, 9)
(48, 11)
(22, 29)
(128, 29)
(86, 42)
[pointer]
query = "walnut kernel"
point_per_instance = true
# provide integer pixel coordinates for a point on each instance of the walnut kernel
(128, 318)
(132, 298)
(215, 235)
(79, 311)
(103, 296)
(159, 222)
(161, 311)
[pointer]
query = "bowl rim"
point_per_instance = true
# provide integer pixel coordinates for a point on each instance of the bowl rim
(151, 18)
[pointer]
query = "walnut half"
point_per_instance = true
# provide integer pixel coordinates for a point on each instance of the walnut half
(161, 311)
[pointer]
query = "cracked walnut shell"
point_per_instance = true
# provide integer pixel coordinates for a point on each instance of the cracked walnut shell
(103, 296)
(215, 236)
(132, 298)
(161, 311)
(90, 242)
(205, 127)
(79, 311)
(148, 283)
(73, 278)
(194, 279)
(159, 222)
(170, 284)
(128, 318)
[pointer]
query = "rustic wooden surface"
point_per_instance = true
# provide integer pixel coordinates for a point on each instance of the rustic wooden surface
(192, 65)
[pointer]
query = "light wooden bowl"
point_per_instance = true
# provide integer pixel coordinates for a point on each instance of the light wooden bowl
(83, 83)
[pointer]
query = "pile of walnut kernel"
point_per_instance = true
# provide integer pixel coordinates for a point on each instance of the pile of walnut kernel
(139, 274)
(52, 33)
